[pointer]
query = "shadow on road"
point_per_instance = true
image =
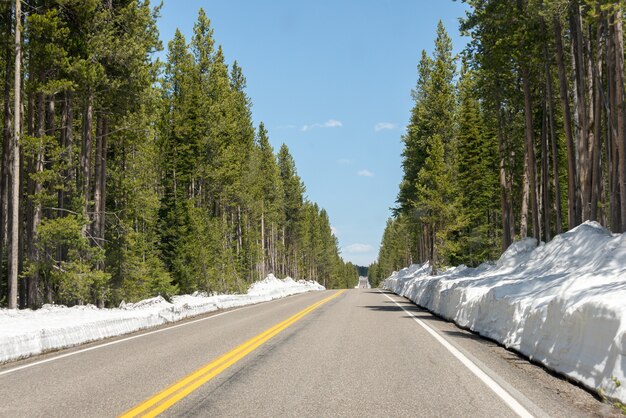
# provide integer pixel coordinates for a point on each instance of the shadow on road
(463, 334)
(390, 306)
(383, 308)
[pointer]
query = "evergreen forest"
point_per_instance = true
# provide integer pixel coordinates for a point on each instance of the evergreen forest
(522, 135)
(125, 176)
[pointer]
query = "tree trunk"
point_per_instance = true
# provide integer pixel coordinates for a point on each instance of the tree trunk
(582, 148)
(545, 175)
(612, 157)
(532, 160)
(554, 147)
(596, 168)
(504, 201)
(572, 212)
(523, 223)
(7, 134)
(98, 191)
(262, 244)
(619, 111)
(15, 183)
(85, 153)
(433, 250)
(239, 232)
(34, 210)
(66, 142)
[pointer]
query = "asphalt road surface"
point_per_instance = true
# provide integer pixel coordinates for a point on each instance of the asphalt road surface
(363, 282)
(361, 352)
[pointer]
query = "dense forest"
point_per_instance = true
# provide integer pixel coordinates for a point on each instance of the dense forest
(523, 135)
(125, 177)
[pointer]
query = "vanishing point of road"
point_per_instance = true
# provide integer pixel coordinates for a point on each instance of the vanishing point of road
(354, 353)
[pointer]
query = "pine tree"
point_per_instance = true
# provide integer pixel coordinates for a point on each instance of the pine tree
(132, 187)
(270, 200)
(293, 189)
(477, 178)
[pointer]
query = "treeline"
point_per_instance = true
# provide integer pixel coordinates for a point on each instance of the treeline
(526, 139)
(124, 177)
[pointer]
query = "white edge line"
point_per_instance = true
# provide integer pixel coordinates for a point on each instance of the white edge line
(59, 357)
(36, 363)
(509, 400)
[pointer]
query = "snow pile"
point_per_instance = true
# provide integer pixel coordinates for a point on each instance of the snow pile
(24, 333)
(281, 288)
(562, 303)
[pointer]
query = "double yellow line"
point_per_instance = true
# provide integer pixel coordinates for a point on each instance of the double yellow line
(163, 400)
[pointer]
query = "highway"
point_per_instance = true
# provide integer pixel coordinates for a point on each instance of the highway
(353, 353)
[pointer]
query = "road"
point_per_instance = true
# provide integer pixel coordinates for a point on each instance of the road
(363, 283)
(361, 352)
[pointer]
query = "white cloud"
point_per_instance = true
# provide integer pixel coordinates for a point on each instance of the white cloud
(384, 125)
(333, 230)
(357, 248)
(365, 173)
(330, 123)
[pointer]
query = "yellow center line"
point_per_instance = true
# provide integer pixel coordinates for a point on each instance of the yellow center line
(163, 400)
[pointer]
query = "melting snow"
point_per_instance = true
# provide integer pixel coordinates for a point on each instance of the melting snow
(562, 303)
(24, 333)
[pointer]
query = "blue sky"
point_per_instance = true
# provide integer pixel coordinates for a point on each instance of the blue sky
(332, 80)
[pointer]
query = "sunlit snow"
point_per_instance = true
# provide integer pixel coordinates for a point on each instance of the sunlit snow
(24, 333)
(562, 303)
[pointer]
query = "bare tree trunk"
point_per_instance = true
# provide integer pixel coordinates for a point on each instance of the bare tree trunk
(572, 216)
(85, 153)
(596, 151)
(612, 157)
(581, 110)
(509, 186)
(67, 144)
(545, 175)
(504, 201)
(97, 190)
(262, 243)
(532, 160)
(15, 190)
(523, 223)
(619, 111)
(553, 139)
(239, 233)
(7, 135)
(103, 178)
(433, 250)
(273, 248)
(34, 210)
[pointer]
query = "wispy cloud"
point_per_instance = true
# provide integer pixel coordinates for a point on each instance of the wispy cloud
(365, 173)
(330, 123)
(357, 249)
(334, 230)
(380, 126)
(344, 161)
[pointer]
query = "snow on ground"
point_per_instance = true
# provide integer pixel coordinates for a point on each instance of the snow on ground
(562, 303)
(24, 333)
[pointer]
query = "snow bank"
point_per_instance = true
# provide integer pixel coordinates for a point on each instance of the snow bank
(562, 303)
(24, 333)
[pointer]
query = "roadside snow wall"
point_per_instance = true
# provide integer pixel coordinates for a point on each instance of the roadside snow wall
(562, 304)
(24, 333)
